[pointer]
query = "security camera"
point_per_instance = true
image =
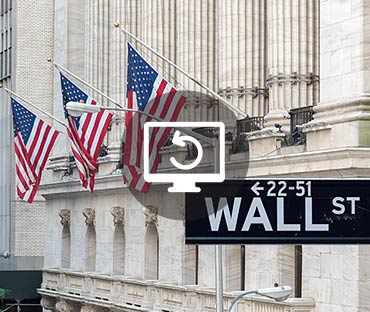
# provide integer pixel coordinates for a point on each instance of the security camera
(285, 114)
(279, 126)
(5, 254)
(277, 293)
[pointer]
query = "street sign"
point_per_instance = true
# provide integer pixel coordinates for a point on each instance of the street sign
(279, 211)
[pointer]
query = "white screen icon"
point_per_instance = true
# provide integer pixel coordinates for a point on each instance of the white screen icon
(185, 182)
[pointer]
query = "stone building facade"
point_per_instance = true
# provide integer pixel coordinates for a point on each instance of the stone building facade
(115, 250)
(26, 42)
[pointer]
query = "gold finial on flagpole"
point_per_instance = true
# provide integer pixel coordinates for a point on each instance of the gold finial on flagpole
(1, 85)
(50, 59)
(116, 24)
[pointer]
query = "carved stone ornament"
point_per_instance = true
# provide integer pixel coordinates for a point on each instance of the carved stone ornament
(65, 216)
(91, 308)
(48, 302)
(151, 215)
(89, 214)
(118, 214)
(66, 306)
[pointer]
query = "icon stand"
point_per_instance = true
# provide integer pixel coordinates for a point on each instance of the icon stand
(184, 187)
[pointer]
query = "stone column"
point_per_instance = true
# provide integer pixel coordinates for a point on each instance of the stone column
(99, 29)
(70, 51)
(197, 46)
(129, 14)
(159, 32)
(342, 118)
(292, 57)
(242, 56)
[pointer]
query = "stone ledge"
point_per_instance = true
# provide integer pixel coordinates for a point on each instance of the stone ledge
(264, 133)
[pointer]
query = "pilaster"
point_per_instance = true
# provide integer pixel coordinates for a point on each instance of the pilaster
(342, 119)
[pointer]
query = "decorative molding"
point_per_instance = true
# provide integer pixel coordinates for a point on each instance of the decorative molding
(65, 217)
(89, 214)
(151, 215)
(292, 78)
(192, 298)
(118, 214)
(241, 91)
(48, 302)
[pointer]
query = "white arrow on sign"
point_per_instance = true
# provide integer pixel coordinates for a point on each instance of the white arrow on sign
(180, 141)
(255, 188)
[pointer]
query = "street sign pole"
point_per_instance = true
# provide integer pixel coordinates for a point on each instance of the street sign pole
(218, 248)
(219, 279)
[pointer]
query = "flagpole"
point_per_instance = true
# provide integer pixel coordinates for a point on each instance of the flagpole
(203, 86)
(34, 106)
(61, 68)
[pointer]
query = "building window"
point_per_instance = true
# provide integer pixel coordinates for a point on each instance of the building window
(119, 250)
(151, 252)
(90, 251)
(66, 247)
(6, 38)
(298, 271)
(242, 268)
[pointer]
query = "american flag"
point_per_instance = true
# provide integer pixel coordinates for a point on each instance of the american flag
(149, 92)
(33, 141)
(86, 133)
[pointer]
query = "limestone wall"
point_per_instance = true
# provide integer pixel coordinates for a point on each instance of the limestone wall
(22, 226)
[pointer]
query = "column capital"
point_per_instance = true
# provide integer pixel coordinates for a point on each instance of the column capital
(67, 306)
(92, 308)
(48, 303)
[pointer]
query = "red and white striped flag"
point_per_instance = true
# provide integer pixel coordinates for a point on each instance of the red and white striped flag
(86, 133)
(147, 91)
(33, 141)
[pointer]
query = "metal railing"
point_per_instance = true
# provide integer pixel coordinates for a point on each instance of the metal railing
(298, 117)
(244, 126)
(249, 124)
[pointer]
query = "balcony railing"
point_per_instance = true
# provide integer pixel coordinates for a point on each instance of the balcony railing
(244, 126)
(249, 124)
(125, 294)
(298, 117)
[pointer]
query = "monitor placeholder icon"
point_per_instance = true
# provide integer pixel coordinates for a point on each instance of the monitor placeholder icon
(185, 181)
